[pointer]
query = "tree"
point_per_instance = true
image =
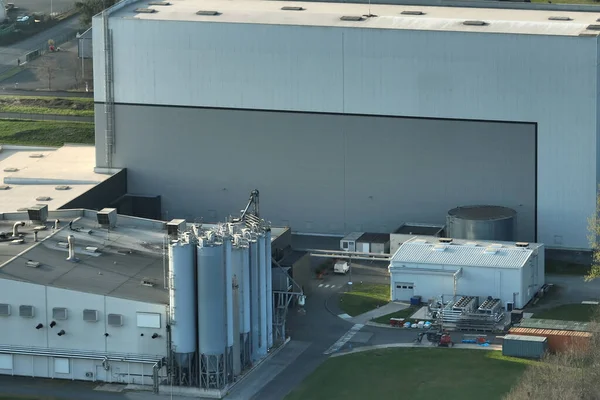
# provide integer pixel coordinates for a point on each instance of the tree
(594, 239)
(89, 8)
(48, 68)
(573, 374)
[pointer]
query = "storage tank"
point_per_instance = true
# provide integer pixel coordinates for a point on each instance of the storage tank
(482, 223)
(212, 331)
(262, 265)
(254, 300)
(241, 274)
(269, 291)
(182, 302)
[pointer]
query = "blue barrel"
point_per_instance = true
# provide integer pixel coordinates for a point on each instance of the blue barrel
(415, 300)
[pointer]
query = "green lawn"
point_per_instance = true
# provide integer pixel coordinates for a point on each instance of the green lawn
(364, 297)
(413, 373)
(45, 133)
(566, 268)
(47, 105)
(406, 313)
(569, 312)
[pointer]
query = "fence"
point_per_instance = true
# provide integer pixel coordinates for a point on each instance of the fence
(42, 47)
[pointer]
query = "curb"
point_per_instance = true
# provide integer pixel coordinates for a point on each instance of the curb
(459, 346)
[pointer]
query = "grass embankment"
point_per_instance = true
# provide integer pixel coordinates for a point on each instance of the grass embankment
(83, 107)
(364, 297)
(413, 373)
(566, 268)
(45, 133)
(569, 312)
(406, 314)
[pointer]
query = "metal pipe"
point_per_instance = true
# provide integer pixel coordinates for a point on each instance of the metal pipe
(56, 223)
(71, 241)
(35, 236)
(16, 228)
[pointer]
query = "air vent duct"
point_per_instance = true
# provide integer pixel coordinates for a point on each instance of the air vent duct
(145, 10)
(410, 12)
(38, 214)
(475, 23)
(208, 13)
(593, 27)
(107, 217)
(354, 18)
(560, 18)
(159, 3)
(288, 8)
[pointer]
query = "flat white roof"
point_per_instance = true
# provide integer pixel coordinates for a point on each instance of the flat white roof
(534, 22)
(41, 170)
(462, 253)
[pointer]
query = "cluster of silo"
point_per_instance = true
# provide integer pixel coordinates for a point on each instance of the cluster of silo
(227, 307)
(483, 222)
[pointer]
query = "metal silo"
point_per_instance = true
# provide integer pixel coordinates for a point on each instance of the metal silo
(269, 291)
(262, 270)
(182, 308)
(229, 310)
(212, 332)
(241, 274)
(482, 223)
(254, 300)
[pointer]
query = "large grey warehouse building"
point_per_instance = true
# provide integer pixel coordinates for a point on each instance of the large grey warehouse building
(349, 122)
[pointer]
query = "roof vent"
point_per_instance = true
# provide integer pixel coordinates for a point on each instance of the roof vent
(445, 240)
(475, 23)
(33, 264)
(145, 10)
(17, 241)
(10, 169)
(62, 245)
(147, 283)
(593, 27)
(38, 213)
(439, 247)
(4, 187)
(411, 12)
(208, 12)
(36, 155)
(159, 3)
(288, 8)
(91, 249)
(420, 241)
(107, 217)
(522, 244)
(471, 244)
(352, 18)
(588, 34)
(62, 187)
(495, 246)
(560, 18)
(43, 198)
(490, 250)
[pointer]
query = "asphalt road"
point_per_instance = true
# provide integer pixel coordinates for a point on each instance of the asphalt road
(10, 54)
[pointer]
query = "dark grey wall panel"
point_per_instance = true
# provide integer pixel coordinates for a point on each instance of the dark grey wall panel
(323, 173)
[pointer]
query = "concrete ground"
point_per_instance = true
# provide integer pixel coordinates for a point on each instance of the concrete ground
(58, 71)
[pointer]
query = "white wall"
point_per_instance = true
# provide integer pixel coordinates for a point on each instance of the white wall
(81, 336)
(474, 281)
(384, 72)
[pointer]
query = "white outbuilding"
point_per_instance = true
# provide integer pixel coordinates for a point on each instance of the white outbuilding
(431, 267)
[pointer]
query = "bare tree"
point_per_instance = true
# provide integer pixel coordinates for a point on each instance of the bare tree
(570, 375)
(48, 69)
(594, 239)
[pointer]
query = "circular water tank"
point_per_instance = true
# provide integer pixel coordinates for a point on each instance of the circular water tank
(482, 223)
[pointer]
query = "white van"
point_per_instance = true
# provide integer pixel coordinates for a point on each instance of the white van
(341, 267)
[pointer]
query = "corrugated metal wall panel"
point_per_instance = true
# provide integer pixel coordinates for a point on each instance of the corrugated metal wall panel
(557, 340)
(370, 71)
(524, 347)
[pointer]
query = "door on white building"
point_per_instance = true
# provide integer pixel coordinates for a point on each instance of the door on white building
(403, 290)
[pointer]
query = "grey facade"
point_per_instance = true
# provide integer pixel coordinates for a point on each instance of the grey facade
(308, 80)
(323, 172)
